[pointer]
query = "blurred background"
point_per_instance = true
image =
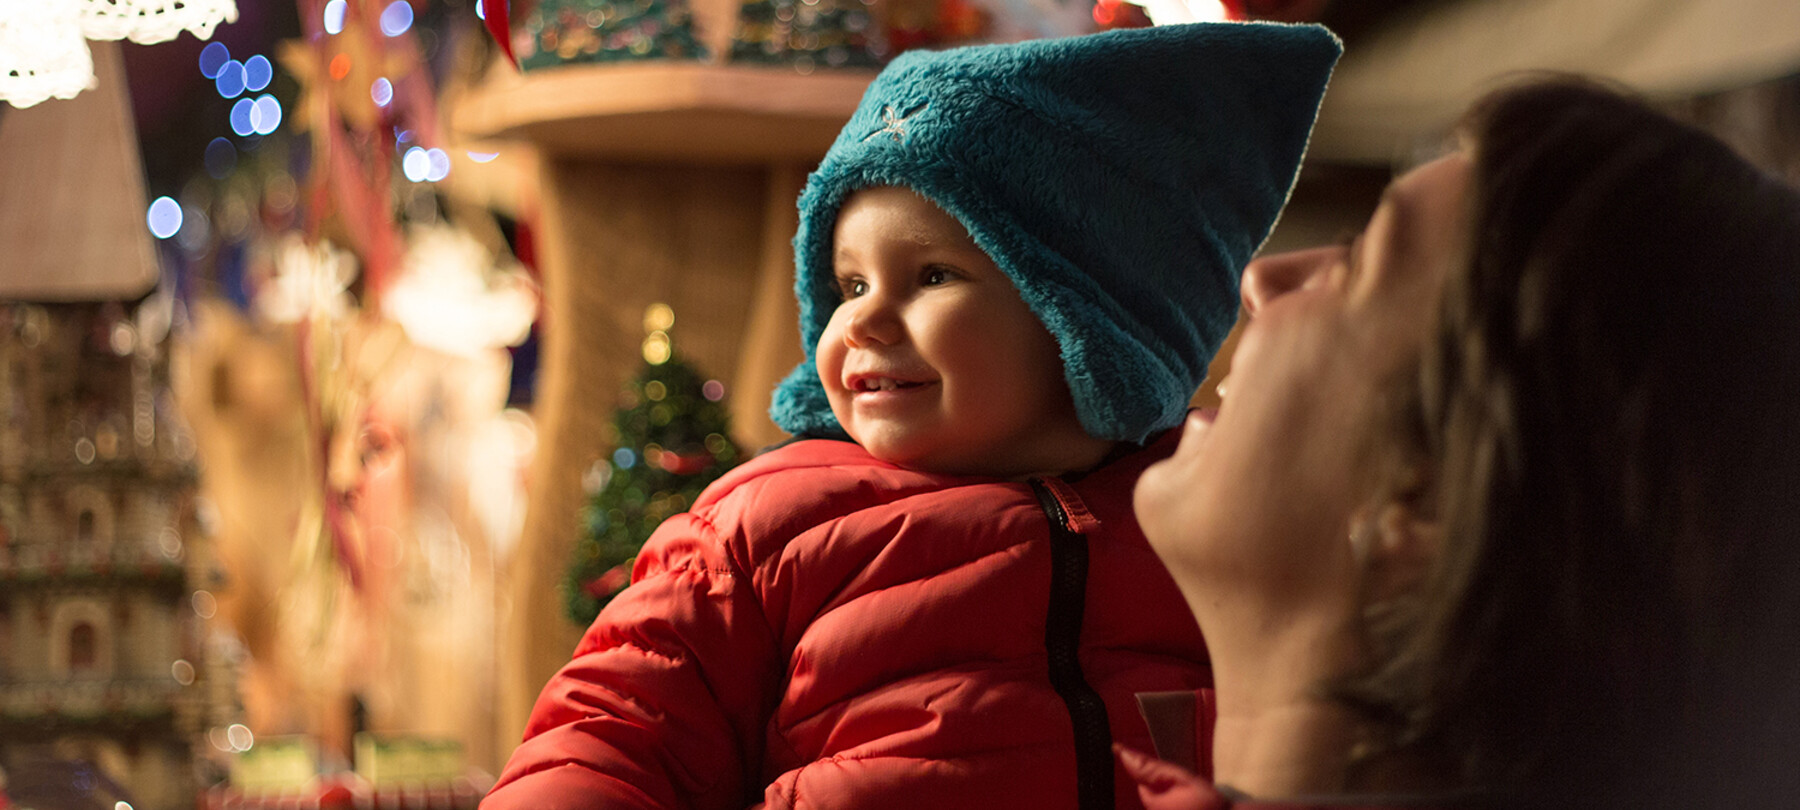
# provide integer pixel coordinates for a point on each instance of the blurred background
(350, 348)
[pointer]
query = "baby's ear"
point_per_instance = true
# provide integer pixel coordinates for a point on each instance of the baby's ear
(1403, 542)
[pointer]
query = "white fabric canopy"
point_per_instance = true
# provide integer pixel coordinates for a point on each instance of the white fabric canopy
(1401, 86)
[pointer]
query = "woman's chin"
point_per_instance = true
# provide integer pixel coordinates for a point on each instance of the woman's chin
(1165, 493)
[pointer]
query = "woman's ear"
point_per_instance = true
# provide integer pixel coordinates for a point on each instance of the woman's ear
(1403, 543)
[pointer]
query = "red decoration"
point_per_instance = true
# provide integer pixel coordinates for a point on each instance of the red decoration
(1114, 14)
(610, 583)
(933, 23)
(683, 463)
(497, 24)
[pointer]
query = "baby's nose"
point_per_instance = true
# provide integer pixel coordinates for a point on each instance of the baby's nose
(873, 323)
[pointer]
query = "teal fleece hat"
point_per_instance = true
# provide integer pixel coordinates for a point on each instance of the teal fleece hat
(1121, 180)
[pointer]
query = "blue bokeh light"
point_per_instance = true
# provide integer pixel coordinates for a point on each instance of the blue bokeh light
(624, 458)
(164, 217)
(382, 91)
(416, 164)
(437, 165)
(480, 11)
(396, 18)
(265, 116)
(242, 117)
(230, 80)
(221, 158)
(258, 72)
(334, 16)
(213, 57)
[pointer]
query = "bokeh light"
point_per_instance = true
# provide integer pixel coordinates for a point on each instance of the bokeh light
(340, 66)
(416, 164)
(242, 117)
(334, 16)
(258, 72)
(713, 390)
(382, 91)
(280, 193)
(195, 230)
(230, 81)
(221, 158)
(396, 18)
(213, 57)
(205, 604)
(438, 165)
(483, 157)
(265, 116)
(480, 11)
(164, 217)
(240, 737)
(624, 458)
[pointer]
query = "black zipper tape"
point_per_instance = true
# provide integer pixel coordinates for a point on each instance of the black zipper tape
(1062, 639)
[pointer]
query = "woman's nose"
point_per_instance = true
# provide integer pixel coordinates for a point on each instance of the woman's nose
(1271, 277)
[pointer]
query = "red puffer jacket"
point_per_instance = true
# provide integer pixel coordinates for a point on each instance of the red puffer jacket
(827, 630)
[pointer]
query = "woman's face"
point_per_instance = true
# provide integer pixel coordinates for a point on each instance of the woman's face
(1258, 500)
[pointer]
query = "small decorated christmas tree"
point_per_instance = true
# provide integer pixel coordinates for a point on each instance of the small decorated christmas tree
(561, 32)
(808, 34)
(673, 438)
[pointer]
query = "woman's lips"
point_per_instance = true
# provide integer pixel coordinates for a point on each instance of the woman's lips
(1199, 420)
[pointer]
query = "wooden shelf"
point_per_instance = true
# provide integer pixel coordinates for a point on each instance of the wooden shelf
(685, 112)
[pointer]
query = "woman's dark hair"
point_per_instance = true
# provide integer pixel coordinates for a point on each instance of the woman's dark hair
(1613, 401)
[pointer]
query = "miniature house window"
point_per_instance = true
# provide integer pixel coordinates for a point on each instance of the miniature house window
(82, 649)
(84, 527)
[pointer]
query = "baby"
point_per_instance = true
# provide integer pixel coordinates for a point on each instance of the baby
(1013, 267)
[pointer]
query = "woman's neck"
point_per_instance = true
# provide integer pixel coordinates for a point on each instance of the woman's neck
(1277, 735)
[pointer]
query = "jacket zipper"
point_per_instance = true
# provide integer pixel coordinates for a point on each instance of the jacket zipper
(1062, 640)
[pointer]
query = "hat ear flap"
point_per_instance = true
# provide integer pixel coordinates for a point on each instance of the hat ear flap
(801, 408)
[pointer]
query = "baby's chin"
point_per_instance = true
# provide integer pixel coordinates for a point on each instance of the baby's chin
(1019, 465)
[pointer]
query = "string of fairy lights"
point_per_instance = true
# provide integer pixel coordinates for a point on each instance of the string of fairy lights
(257, 113)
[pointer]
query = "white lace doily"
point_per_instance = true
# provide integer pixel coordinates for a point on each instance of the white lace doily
(43, 43)
(150, 21)
(42, 52)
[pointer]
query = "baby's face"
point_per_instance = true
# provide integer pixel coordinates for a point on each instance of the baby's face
(932, 360)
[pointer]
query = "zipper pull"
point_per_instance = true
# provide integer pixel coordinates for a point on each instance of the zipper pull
(1075, 514)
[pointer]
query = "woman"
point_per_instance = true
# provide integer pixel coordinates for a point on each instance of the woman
(1500, 506)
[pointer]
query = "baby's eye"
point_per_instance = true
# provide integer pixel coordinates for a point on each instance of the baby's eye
(935, 276)
(848, 288)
